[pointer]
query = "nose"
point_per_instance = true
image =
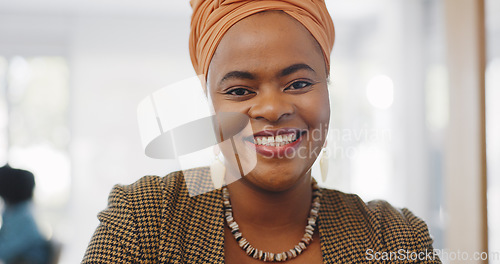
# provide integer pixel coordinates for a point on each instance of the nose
(271, 106)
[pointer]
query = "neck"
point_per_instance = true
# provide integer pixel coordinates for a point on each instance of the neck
(269, 210)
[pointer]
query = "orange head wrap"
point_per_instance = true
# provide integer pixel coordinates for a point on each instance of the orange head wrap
(211, 19)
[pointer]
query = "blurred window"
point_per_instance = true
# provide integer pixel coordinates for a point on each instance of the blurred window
(389, 104)
(35, 134)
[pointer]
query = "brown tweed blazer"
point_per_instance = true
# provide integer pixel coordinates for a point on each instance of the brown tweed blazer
(155, 221)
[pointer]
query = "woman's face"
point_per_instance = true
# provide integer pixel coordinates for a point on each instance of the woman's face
(270, 68)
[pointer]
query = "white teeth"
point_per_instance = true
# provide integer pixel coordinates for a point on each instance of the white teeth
(277, 141)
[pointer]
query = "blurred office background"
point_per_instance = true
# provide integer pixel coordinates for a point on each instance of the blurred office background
(407, 94)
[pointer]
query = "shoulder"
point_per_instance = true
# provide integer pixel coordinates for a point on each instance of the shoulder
(393, 227)
(147, 196)
(150, 192)
(177, 180)
(136, 215)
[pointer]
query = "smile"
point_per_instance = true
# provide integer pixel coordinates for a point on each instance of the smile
(276, 143)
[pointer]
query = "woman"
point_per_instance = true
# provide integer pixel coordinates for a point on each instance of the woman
(268, 60)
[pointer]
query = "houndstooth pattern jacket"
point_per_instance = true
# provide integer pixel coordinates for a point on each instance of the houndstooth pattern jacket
(156, 221)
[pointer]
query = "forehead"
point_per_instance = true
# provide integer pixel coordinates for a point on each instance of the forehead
(266, 42)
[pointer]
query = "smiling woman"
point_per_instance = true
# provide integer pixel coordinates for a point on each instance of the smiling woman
(281, 94)
(269, 61)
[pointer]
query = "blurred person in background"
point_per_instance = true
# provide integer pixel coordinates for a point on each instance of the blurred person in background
(20, 239)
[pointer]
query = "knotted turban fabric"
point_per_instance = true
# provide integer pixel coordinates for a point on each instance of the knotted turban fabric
(211, 19)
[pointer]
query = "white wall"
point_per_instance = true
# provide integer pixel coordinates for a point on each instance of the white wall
(115, 61)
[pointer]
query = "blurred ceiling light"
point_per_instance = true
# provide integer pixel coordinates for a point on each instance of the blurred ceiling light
(380, 91)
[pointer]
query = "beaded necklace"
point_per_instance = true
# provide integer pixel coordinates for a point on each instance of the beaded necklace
(268, 256)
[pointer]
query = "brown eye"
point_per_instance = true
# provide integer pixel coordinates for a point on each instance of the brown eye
(239, 92)
(298, 85)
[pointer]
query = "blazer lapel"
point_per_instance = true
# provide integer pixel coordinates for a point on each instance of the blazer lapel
(206, 237)
(192, 229)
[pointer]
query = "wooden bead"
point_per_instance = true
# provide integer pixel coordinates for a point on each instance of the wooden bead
(298, 249)
(234, 225)
(306, 241)
(302, 245)
(255, 254)
(283, 256)
(243, 242)
(250, 250)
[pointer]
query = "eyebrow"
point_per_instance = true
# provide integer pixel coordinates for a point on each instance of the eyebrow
(237, 75)
(294, 68)
(249, 76)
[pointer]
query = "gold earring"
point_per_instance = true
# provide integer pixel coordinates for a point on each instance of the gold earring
(217, 170)
(323, 164)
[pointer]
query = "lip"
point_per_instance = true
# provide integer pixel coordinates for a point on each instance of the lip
(280, 151)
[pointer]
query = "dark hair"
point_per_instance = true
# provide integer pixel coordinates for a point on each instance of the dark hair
(16, 185)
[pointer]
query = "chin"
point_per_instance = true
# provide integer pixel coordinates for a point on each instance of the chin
(275, 179)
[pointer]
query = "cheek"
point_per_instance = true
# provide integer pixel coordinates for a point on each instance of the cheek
(316, 110)
(218, 104)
